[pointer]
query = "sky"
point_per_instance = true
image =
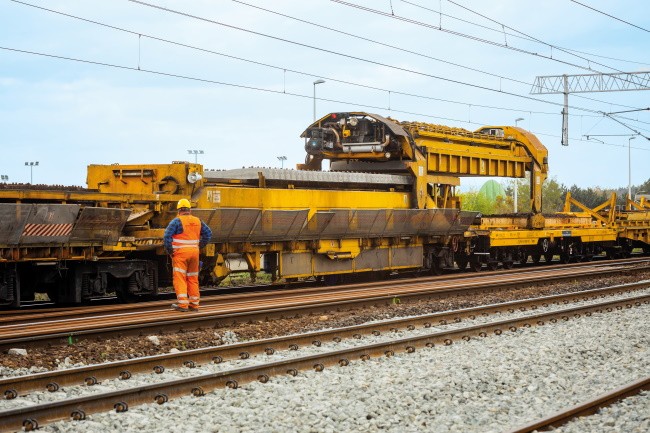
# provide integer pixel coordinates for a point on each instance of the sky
(102, 82)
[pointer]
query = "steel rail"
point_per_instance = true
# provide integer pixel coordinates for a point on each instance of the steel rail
(349, 289)
(30, 417)
(291, 305)
(589, 407)
(41, 314)
(93, 374)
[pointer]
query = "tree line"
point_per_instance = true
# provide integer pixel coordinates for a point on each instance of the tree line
(553, 197)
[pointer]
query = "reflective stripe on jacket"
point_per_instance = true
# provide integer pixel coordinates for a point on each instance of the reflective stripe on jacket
(191, 234)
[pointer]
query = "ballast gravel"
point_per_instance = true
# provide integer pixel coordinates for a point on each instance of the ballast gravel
(107, 385)
(483, 385)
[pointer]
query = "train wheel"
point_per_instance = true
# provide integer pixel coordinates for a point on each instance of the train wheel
(536, 258)
(565, 258)
(475, 264)
(507, 260)
(548, 257)
(462, 260)
(436, 267)
(13, 289)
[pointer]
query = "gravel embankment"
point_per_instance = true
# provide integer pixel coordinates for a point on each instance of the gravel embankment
(486, 385)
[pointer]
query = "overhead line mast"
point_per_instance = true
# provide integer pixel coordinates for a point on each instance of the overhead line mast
(585, 83)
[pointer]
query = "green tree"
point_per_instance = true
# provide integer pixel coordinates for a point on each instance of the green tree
(590, 197)
(472, 200)
(523, 194)
(553, 196)
(644, 188)
(476, 201)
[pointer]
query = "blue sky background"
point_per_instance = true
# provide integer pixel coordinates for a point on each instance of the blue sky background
(67, 114)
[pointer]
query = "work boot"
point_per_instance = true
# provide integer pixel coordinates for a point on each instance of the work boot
(179, 308)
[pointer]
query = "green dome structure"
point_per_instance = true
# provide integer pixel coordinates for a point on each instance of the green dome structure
(491, 190)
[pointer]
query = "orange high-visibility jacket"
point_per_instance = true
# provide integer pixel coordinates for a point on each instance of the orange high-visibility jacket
(191, 234)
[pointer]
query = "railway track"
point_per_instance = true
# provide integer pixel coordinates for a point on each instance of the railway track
(44, 309)
(54, 326)
(31, 417)
(586, 408)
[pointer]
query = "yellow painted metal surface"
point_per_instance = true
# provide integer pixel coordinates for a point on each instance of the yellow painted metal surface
(339, 248)
(423, 150)
(144, 178)
(267, 198)
(531, 237)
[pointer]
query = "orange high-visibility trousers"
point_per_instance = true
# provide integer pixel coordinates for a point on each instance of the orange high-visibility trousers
(185, 262)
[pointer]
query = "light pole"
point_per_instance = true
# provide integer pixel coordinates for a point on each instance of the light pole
(517, 120)
(316, 82)
(196, 154)
(629, 168)
(282, 159)
(31, 165)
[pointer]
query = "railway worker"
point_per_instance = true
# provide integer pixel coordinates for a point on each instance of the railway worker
(184, 236)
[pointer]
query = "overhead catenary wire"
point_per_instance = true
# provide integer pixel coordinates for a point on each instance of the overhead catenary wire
(538, 40)
(283, 68)
(343, 32)
(224, 83)
(476, 38)
(318, 25)
(377, 63)
(331, 78)
(464, 35)
(532, 37)
(626, 126)
(248, 87)
(401, 49)
(424, 74)
(610, 16)
(140, 34)
(519, 36)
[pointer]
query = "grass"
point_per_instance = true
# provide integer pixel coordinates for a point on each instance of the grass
(244, 279)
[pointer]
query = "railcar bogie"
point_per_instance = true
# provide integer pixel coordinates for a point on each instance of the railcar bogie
(78, 282)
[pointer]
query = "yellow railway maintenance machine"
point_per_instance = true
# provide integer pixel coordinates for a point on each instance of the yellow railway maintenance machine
(387, 204)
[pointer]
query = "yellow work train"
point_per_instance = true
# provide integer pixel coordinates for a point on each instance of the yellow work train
(387, 204)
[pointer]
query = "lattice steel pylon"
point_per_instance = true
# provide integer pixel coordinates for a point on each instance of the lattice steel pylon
(585, 83)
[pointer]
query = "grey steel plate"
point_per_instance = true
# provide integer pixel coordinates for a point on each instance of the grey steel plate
(99, 224)
(49, 224)
(306, 176)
